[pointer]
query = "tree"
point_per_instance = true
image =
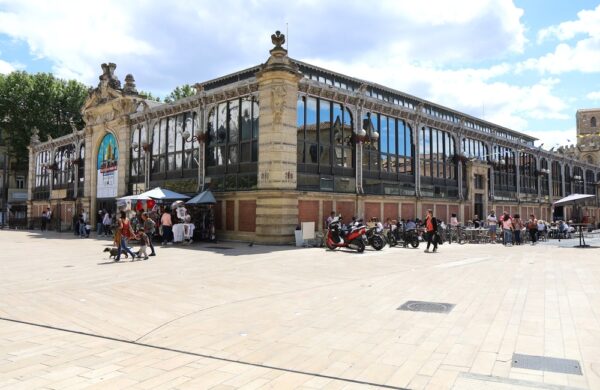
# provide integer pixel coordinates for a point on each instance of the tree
(181, 92)
(150, 96)
(37, 100)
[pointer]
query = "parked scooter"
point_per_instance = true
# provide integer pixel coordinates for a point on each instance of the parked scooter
(353, 238)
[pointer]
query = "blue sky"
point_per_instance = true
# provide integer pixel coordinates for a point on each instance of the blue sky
(524, 64)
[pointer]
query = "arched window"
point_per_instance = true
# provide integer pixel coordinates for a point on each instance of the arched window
(505, 174)
(472, 148)
(438, 163)
(578, 180)
(593, 121)
(232, 144)
(527, 173)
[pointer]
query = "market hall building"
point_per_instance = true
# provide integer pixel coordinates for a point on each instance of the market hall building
(287, 142)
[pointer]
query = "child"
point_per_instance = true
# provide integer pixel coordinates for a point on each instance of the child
(145, 241)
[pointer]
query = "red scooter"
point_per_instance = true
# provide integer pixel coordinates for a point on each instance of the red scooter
(354, 239)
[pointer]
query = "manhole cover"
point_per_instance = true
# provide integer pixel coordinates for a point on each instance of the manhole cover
(543, 363)
(219, 247)
(428, 307)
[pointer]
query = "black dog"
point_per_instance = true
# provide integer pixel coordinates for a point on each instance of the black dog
(114, 252)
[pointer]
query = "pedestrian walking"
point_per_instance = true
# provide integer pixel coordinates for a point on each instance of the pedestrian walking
(107, 222)
(149, 228)
(44, 221)
(124, 232)
(167, 227)
(431, 231)
(507, 228)
(146, 242)
(492, 222)
(517, 227)
(532, 228)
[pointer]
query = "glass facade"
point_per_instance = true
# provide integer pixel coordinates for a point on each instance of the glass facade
(438, 163)
(472, 148)
(325, 148)
(578, 182)
(505, 178)
(528, 174)
(557, 180)
(172, 156)
(232, 145)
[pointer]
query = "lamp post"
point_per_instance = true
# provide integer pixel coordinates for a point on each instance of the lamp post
(146, 148)
(200, 138)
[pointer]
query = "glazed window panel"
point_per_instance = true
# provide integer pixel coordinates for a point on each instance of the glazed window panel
(233, 130)
(246, 119)
(311, 120)
(324, 132)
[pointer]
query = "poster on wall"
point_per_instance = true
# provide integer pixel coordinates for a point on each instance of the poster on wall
(108, 174)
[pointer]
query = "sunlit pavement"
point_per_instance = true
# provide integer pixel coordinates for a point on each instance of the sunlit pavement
(229, 316)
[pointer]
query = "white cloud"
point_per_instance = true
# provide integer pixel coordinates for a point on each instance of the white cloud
(552, 138)
(588, 23)
(431, 49)
(477, 92)
(593, 96)
(583, 56)
(6, 67)
(169, 43)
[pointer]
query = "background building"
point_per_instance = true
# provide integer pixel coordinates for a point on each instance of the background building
(287, 142)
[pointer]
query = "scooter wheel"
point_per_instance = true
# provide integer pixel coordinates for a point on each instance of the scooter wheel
(415, 243)
(330, 245)
(360, 246)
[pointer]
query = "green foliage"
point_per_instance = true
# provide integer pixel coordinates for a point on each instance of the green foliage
(149, 96)
(37, 100)
(181, 92)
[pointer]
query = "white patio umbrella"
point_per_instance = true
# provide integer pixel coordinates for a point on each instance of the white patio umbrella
(572, 199)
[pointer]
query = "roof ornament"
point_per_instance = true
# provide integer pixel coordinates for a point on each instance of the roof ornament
(278, 39)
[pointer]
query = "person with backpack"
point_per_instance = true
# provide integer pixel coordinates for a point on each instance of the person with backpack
(149, 228)
(431, 234)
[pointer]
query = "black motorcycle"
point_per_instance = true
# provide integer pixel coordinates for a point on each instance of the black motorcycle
(407, 237)
(390, 236)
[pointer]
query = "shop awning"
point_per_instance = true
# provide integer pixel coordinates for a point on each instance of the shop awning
(164, 194)
(205, 197)
(572, 199)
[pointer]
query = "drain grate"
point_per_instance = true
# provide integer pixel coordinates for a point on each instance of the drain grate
(543, 363)
(427, 307)
(219, 247)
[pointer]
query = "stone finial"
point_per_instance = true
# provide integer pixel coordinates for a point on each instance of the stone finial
(278, 39)
(129, 88)
(108, 76)
(35, 136)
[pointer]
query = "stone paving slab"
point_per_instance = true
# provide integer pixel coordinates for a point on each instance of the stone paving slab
(282, 317)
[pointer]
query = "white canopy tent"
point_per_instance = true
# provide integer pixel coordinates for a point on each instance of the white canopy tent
(162, 194)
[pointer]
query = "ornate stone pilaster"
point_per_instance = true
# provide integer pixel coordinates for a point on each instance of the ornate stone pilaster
(277, 206)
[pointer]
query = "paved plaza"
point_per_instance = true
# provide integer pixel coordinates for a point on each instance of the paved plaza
(229, 316)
